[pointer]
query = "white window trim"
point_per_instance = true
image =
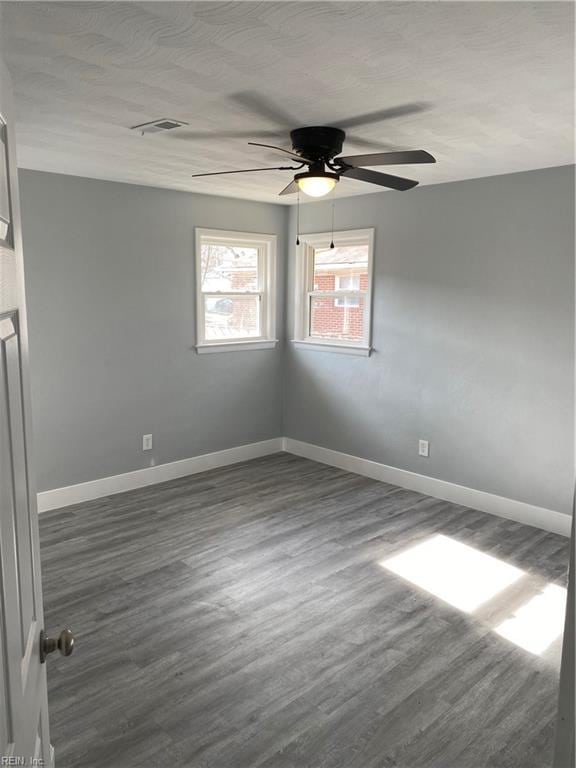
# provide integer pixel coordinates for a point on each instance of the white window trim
(266, 245)
(235, 346)
(302, 339)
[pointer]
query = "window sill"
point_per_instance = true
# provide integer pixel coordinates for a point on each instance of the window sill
(235, 346)
(343, 349)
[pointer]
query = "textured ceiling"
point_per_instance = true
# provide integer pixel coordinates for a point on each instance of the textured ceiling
(496, 79)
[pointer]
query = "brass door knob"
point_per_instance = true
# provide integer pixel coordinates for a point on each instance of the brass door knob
(64, 643)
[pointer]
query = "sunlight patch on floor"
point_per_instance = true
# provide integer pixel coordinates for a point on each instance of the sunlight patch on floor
(537, 623)
(466, 578)
(458, 574)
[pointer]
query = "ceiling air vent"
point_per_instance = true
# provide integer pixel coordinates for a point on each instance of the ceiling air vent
(164, 124)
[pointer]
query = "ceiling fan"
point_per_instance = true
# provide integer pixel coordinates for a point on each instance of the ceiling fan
(318, 149)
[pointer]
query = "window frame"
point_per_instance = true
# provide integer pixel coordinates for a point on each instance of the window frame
(304, 285)
(266, 291)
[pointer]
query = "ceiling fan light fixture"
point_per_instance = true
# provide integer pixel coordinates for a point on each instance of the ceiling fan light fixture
(316, 183)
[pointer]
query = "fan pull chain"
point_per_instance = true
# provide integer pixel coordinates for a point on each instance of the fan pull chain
(332, 227)
(298, 219)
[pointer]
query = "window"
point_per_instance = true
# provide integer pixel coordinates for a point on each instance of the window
(234, 290)
(334, 292)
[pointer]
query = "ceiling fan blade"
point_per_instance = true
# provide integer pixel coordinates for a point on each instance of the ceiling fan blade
(383, 114)
(246, 170)
(279, 149)
(290, 189)
(388, 158)
(263, 108)
(382, 179)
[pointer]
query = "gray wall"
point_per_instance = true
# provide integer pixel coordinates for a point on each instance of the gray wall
(473, 337)
(109, 271)
(473, 334)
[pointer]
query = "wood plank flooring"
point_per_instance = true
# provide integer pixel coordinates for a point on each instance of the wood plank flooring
(240, 618)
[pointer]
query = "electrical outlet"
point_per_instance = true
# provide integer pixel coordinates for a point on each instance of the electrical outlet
(146, 442)
(423, 448)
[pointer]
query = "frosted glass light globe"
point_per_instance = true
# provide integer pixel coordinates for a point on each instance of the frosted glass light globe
(317, 186)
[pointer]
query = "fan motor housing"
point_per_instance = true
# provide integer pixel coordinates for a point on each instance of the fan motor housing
(317, 142)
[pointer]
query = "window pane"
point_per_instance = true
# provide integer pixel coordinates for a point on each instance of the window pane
(330, 319)
(347, 301)
(344, 268)
(347, 282)
(231, 317)
(228, 268)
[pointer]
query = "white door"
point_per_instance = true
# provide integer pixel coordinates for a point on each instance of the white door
(24, 733)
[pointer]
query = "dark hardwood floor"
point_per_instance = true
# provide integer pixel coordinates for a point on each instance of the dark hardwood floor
(241, 618)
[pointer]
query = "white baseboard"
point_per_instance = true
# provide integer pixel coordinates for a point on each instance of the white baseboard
(547, 519)
(106, 486)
